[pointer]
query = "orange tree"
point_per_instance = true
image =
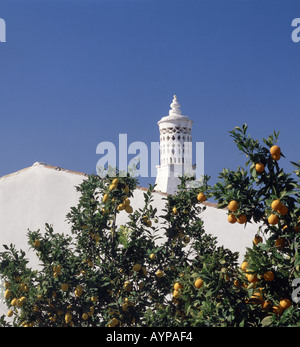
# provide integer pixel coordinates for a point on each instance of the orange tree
(103, 273)
(143, 273)
(268, 196)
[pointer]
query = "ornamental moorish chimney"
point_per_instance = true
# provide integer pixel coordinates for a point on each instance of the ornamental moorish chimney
(175, 149)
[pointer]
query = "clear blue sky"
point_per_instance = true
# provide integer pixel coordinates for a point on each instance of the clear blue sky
(74, 73)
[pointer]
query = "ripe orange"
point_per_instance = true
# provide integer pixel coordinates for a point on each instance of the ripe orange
(152, 256)
(112, 187)
(85, 316)
(269, 276)
(7, 294)
(114, 322)
(231, 218)
(285, 303)
(266, 305)
(127, 286)
(105, 198)
(276, 204)
(252, 278)
(129, 209)
(257, 297)
(244, 266)
(242, 219)
(237, 283)
(64, 287)
(68, 317)
(275, 150)
(276, 157)
(159, 273)
(37, 243)
(233, 206)
(78, 291)
(14, 302)
(177, 286)
(115, 182)
(257, 239)
(175, 210)
(176, 294)
(283, 210)
(279, 243)
(136, 267)
(278, 310)
(273, 219)
(297, 228)
(201, 197)
(260, 167)
(198, 283)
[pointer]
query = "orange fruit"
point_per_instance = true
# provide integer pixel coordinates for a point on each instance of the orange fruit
(276, 157)
(64, 287)
(175, 210)
(159, 273)
(129, 209)
(7, 294)
(177, 286)
(257, 239)
(137, 267)
(231, 218)
(233, 206)
(276, 204)
(128, 286)
(278, 310)
(176, 294)
(242, 219)
(275, 150)
(85, 316)
(121, 207)
(114, 322)
(279, 243)
(37, 243)
(266, 305)
(201, 197)
(285, 303)
(252, 278)
(273, 219)
(115, 182)
(260, 167)
(257, 297)
(283, 210)
(105, 198)
(68, 317)
(269, 276)
(244, 265)
(237, 283)
(297, 228)
(198, 283)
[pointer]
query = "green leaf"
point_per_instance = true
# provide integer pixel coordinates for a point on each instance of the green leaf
(267, 321)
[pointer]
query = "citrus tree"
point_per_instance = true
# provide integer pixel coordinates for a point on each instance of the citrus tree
(104, 273)
(264, 194)
(161, 268)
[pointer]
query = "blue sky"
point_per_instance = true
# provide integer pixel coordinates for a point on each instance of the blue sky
(74, 73)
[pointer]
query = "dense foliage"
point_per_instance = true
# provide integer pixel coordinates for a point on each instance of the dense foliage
(172, 273)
